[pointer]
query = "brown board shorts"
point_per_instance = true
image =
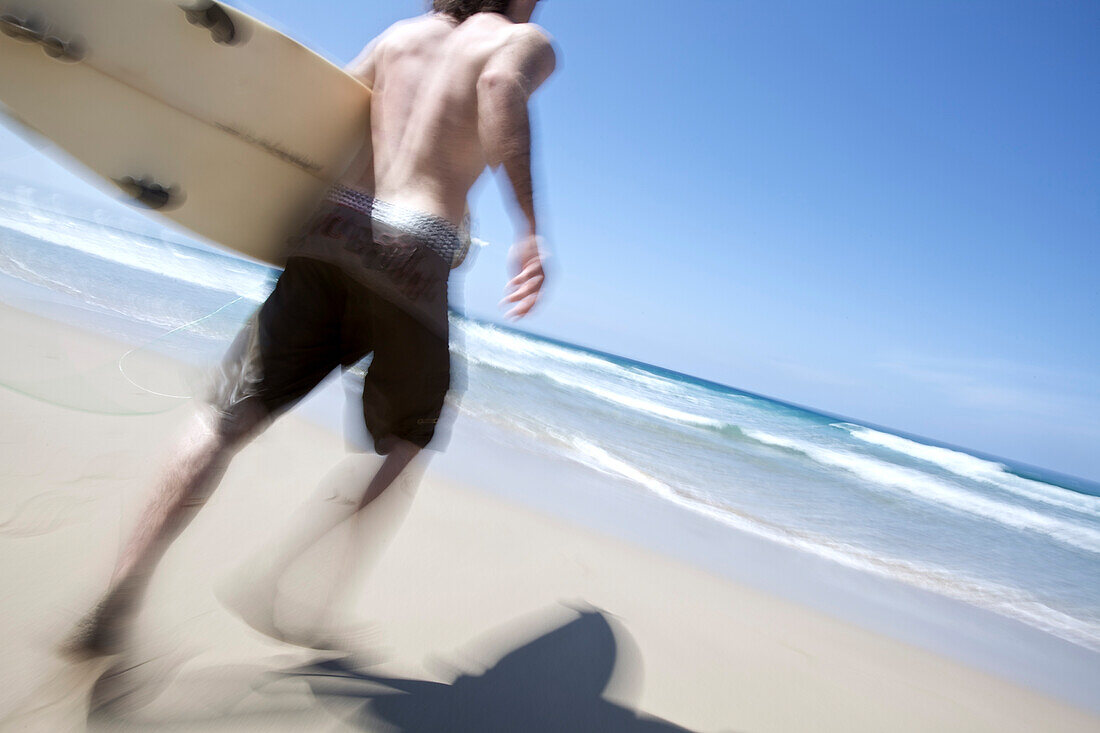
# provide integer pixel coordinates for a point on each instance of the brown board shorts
(354, 285)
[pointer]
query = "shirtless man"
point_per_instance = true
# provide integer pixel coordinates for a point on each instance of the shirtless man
(369, 272)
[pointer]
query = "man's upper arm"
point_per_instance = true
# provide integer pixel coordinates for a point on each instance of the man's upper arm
(527, 59)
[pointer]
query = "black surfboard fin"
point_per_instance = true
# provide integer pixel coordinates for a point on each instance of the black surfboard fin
(150, 194)
(212, 16)
(30, 31)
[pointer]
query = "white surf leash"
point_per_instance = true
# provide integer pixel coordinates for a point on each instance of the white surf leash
(122, 358)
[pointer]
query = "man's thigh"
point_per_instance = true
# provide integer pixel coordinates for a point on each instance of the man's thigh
(408, 378)
(288, 346)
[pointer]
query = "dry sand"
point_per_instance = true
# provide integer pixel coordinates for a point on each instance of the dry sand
(478, 615)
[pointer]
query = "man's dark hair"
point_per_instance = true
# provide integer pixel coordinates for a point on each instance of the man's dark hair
(460, 10)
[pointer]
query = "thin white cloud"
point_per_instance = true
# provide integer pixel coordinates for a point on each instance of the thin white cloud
(1004, 386)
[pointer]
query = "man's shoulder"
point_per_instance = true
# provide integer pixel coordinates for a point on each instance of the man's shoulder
(411, 27)
(529, 41)
(536, 45)
(531, 33)
(499, 26)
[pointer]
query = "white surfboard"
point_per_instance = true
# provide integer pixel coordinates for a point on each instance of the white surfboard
(194, 109)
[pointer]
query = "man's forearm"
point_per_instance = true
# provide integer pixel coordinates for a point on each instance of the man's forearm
(506, 132)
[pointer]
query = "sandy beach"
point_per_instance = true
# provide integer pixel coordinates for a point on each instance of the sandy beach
(469, 612)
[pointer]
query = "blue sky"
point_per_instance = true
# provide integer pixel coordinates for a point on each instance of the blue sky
(889, 211)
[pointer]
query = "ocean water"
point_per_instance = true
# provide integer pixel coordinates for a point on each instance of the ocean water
(1019, 541)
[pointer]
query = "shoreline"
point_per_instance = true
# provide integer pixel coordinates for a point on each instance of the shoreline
(581, 497)
(730, 631)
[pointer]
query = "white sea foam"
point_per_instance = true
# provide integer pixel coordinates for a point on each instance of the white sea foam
(638, 404)
(931, 490)
(522, 354)
(220, 272)
(1006, 601)
(623, 386)
(515, 344)
(978, 469)
(16, 268)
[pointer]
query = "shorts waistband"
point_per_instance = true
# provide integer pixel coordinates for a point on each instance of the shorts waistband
(440, 235)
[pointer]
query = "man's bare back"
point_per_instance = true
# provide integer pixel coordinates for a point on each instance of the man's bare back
(427, 75)
(450, 99)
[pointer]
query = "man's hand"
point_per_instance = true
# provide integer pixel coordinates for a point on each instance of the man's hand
(524, 288)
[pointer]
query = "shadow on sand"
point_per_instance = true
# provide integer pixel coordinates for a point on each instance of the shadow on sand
(536, 675)
(552, 683)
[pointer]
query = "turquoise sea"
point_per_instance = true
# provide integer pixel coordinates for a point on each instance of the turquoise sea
(1015, 540)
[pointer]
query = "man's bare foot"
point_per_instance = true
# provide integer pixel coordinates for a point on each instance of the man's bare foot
(100, 633)
(255, 605)
(133, 681)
